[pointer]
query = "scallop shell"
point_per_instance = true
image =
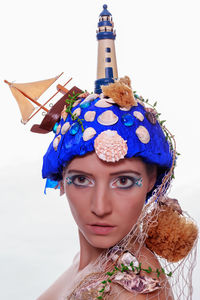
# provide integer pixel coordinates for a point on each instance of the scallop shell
(143, 134)
(65, 128)
(56, 142)
(107, 118)
(90, 116)
(138, 115)
(88, 133)
(76, 102)
(103, 103)
(64, 114)
(58, 129)
(77, 112)
(125, 108)
(110, 146)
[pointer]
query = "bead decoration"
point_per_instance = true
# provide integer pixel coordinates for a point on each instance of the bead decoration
(128, 120)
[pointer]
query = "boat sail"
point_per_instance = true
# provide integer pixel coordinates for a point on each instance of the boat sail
(27, 94)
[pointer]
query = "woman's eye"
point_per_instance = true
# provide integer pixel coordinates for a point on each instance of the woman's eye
(124, 182)
(80, 180)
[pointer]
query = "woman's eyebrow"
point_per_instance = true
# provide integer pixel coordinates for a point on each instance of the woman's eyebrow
(125, 171)
(79, 171)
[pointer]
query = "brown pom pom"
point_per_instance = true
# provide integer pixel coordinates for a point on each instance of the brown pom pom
(121, 92)
(172, 235)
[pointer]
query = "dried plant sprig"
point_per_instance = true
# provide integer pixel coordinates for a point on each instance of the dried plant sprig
(169, 137)
(70, 101)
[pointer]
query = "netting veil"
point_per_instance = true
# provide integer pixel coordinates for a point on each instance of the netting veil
(167, 273)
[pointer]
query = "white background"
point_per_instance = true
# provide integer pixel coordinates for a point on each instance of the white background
(157, 46)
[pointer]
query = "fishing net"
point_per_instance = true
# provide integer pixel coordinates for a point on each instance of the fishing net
(145, 264)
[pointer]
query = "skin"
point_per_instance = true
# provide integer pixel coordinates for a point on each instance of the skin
(97, 196)
(102, 193)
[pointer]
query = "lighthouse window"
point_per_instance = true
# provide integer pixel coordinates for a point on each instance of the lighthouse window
(108, 50)
(108, 59)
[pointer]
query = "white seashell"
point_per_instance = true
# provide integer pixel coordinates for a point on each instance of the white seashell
(88, 133)
(91, 97)
(103, 103)
(125, 108)
(101, 95)
(76, 102)
(107, 118)
(65, 128)
(110, 146)
(138, 115)
(90, 116)
(143, 134)
(58, 129)
(56, 142)
(77, 112)
(110, 100)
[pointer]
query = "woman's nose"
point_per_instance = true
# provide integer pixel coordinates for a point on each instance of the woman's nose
(101, 204)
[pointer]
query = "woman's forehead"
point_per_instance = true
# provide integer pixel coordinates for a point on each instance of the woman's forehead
(90, 163)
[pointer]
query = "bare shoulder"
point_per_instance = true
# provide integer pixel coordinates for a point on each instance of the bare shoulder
(58, 288)
(147, 259)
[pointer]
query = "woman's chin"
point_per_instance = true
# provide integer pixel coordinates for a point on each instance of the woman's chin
(102, 242)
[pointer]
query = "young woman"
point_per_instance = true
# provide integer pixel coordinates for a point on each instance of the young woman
(114, 160)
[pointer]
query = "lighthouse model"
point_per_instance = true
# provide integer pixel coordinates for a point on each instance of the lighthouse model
(106, 64)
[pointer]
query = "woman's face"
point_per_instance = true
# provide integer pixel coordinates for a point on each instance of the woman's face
(106, 199)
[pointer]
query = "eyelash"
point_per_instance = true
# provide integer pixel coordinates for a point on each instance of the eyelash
(135, 181)
(71, 180)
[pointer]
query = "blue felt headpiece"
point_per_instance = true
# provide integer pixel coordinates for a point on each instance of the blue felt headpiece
(134, 132)
(137, 126)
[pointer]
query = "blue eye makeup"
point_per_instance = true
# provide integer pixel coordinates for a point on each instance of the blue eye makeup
(126, 182)
(80, 180)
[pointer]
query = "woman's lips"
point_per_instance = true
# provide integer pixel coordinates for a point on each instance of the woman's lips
(101, 229)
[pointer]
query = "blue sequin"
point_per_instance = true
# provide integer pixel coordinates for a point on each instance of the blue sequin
(85, 104)
(74, 128)
(55, 127)
(127, 119)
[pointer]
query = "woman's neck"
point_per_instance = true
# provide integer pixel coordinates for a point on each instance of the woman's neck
(88, 253)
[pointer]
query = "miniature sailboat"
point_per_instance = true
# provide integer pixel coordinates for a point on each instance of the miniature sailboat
(27, 94)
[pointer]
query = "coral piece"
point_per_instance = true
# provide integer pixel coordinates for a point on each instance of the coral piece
(126, 80)
(143, 134)
(89, 133)
(171, 235)
(110, 146)
(107, 118)
(121, 93)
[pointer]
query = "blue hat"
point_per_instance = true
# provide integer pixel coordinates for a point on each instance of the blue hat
(115, 124)
(141, 134)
